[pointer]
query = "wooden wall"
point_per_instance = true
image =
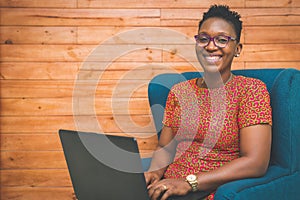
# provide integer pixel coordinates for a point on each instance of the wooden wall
(43, 44)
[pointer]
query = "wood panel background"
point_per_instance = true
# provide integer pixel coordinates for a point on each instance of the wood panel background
(43, 45)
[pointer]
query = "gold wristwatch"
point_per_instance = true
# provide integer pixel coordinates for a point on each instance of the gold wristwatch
(192, 180)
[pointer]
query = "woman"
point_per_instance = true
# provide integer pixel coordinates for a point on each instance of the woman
(240, 147)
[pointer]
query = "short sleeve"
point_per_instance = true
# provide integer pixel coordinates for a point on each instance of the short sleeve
(171, 113)
(255, 105)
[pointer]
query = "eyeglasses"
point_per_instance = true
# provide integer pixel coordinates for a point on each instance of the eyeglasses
(219, 41)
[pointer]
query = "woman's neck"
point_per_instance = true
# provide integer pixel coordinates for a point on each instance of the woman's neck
(215, 80)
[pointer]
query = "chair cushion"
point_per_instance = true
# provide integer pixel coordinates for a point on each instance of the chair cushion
(285, 96)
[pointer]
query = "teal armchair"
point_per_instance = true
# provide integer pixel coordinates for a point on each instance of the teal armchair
(282, 180)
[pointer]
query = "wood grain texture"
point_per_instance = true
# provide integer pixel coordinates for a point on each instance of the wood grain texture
(37, 160)
(250, 16)
(36, 193)
(38, 4)
(271, 53)
(272, 35)
(77, 53)
(72, 71)
(96, 34)
(156, 3)
(266, 65)
(61, 89)
(107, 123)
(266, 3)
(295, 3)
(35, 178)
(79, 17)
(63, 106)
(33, 160)
(271, 16)
(30, 143)
(37, 35)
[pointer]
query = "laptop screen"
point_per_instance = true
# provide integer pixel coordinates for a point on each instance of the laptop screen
(103, 166)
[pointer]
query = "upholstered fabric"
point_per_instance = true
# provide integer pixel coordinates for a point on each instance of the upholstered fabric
(282, 180)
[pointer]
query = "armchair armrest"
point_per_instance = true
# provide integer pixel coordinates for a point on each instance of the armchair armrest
(146, 163)
(277, 183)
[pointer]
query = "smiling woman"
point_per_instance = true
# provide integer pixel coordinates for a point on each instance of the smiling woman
(41, 57)
(216, 128)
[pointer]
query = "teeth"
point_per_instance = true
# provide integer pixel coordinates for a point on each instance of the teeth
(213, 59)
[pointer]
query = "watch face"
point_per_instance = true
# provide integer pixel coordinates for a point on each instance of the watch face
(191, 177)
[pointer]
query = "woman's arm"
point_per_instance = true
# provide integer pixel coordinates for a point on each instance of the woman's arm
(162, 157)
(255, 148)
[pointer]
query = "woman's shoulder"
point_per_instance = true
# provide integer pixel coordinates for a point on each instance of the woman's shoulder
(250, 86)
(184, 85)
(249, 82)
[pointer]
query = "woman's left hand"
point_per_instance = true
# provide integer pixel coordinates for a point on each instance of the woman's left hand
(169, 187)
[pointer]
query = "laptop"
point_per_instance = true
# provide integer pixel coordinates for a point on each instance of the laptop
(106, 167)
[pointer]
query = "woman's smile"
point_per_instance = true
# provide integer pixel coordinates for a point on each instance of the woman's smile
(213, 59)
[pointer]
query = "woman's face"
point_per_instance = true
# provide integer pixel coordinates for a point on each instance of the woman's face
(215, 56)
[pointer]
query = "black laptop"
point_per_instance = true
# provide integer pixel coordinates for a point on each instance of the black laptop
(106, 167)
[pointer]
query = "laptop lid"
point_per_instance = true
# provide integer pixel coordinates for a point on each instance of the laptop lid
(103, 166)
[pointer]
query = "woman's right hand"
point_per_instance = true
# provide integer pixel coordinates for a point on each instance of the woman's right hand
(162, 157)
(152, 177)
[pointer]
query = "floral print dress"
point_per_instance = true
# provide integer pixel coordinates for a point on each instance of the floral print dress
(206, 122)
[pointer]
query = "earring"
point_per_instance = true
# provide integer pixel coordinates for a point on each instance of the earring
(237, 55)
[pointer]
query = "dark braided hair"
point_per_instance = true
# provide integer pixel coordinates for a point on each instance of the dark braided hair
(223, 12)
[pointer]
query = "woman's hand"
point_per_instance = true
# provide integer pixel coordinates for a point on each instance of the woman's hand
(152, 177)
(168, 187)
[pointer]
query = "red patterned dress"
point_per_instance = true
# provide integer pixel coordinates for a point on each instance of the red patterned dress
(206, 122)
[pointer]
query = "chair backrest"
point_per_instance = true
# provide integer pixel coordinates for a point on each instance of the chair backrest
(284, 88)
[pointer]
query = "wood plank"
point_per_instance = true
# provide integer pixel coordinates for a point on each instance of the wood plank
(32, 144)
(77, 53)
(48, 53)
(295, 3)
(271, 16)
(38, 3)
(33, 160)
(38, 35)
(60, 89)
(268, 4)
(39, 70)
(265, 65)
(35, 178)
(181, 17)
(143, 71)
(51, 124)
(255, 53)
(36, 89)
(259, 17)
(272, 35)
(63, 106)
(156, 3)
(79, 17)
(45, 159)
(132, 71)
(89, 70)
(37, 193)
(271, 53)
(98, 34)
